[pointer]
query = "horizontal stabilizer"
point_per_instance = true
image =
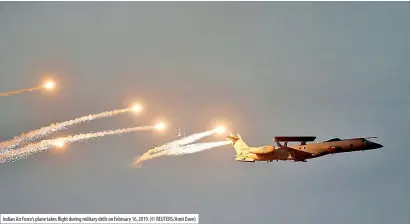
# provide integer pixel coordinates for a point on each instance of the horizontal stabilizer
(244, 159)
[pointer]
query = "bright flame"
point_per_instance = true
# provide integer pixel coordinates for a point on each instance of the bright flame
(137, 107)
(220, 129)
(49, 85)
(59, 143)
(160, 126)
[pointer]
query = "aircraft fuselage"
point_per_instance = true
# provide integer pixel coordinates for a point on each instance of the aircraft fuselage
(303, 152)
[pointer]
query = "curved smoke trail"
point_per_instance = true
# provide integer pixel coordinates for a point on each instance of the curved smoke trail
(21, 91)
(193, 148)
(180, 150)
(162, 150)
(183, 141)
(24, 152)
(44, 131)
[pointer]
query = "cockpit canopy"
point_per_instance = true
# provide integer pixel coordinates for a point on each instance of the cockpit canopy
(333, 140)
(365, 140)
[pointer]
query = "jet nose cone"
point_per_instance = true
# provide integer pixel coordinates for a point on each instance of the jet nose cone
(376, 146)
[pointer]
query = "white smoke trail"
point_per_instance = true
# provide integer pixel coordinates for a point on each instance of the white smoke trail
(44, 131)
(24, 152)
(162, 150)
(193, 148)
(180, 150)
(21, 91)
(183, 141)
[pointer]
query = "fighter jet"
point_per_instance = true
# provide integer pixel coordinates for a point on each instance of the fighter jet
(297, 153)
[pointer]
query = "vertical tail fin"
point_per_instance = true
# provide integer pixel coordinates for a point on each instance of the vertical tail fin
(238, 143)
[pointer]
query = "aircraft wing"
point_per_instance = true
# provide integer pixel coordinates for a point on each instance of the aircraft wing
(298, 153)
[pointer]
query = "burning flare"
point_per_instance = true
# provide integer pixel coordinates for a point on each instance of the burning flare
(137, 108)
(47, 85)
(160, 126)
(220, 130)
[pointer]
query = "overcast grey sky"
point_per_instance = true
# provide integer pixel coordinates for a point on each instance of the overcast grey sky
(329, 69)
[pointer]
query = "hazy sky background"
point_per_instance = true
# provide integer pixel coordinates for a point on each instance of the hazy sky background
(336, 69)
